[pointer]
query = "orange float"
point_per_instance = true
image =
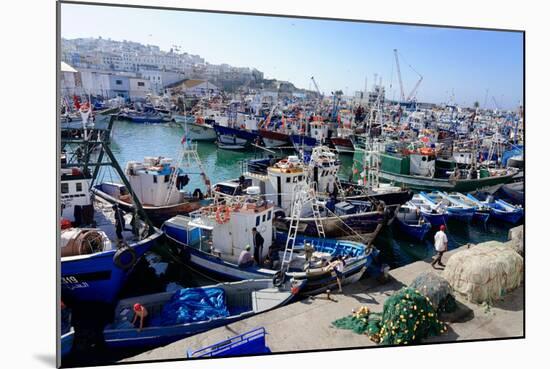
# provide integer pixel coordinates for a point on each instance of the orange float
(223, 214)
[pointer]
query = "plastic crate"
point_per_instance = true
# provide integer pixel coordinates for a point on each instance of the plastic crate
(249, 343)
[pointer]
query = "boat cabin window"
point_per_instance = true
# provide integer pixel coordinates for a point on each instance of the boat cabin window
(64, 188)
(78, 186)
(300, 178)
(257, 220)
(154, 179)
(263, 218)
(287, 179)
(269, 215)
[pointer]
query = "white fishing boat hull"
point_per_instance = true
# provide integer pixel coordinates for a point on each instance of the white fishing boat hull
(201, 132)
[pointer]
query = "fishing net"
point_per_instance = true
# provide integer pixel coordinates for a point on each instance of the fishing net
(407, 317)
(437, 289)
(515, 237)
(485, 272)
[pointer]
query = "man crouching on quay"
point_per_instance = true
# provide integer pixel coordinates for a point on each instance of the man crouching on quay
(441, 245)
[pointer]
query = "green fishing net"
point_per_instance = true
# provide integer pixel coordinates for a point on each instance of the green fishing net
(407, 317)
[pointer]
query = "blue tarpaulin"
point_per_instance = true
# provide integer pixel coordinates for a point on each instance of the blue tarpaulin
(193, 305)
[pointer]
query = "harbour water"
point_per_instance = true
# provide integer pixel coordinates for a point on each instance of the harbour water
(135, 141)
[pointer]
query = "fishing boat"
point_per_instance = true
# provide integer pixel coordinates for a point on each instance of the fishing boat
(343, 142)
(456, 210)
(482, 212)
(213, 238)
(433, 214)
(94, 261)
(272, 139)
(411, 223)
(500, 209)
(231, 138)
(344, 145)
(185, 312)
(514, 192)
(200, 130)
(341, 217)
(149, 117)
(160, 184)
(417, 171)
(353, 219)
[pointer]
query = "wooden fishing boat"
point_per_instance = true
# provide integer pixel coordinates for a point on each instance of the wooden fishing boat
(514, 192)
(185, 312)
(434, 215)
(501, 210)
(456, 210)
(482, 212)
(410, 222)
(399, 171)
(205, 246)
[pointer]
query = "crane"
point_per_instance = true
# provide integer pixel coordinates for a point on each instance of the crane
(399, 75)
(415, 88)
(316, 87)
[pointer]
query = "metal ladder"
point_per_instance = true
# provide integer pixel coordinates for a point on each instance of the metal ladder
(298, 199)
(339, 187)
(315, 208)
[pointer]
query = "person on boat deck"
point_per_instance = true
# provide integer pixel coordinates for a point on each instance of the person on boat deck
(258, 245)
(119, 222)
(441, 245)
(140, 312)
(245, 258)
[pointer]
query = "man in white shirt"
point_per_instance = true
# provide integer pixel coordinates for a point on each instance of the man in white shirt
(245, 258)
(441, 244)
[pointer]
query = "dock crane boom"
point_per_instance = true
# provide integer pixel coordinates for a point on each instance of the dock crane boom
(316, 87)
(415, 88)
(398, 75)
(411, 95)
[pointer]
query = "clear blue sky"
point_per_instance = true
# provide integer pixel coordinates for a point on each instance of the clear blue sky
(339, 54)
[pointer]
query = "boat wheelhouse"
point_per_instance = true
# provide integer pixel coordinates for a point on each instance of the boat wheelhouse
(160, 187)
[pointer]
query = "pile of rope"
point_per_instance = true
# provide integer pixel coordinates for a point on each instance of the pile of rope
(485, 272)
(407, 317)
(437, 290)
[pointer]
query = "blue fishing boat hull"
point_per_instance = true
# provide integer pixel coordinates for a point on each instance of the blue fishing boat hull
(461, 214)
(415, 231)
(159, 336)
(96, 277)
(509, 216)
(234, 138)
(435, 219)
(161, 330)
